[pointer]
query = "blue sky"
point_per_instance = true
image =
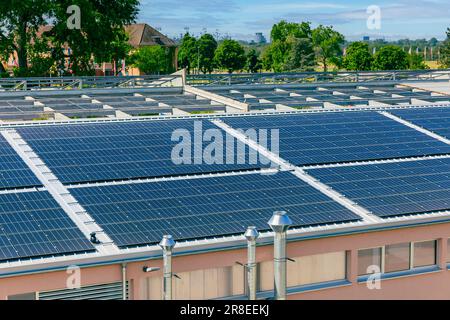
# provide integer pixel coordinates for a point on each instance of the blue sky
(242, 18)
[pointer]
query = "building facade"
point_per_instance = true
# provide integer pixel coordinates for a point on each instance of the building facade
(412, 260)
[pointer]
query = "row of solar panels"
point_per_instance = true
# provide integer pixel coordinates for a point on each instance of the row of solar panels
(258, 97)
(103, 105)
(32, 224)
(267, 97)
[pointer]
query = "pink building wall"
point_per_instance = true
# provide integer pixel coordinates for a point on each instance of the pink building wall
(432, 285)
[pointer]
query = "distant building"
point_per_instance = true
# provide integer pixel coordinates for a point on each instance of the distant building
(143, 35)
(366, 38)
(259, 38)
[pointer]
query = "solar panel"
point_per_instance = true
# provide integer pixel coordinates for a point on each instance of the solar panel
(307, 139)
(33, 225)
(111, 151)
(433, 119)
(395, 188)
(63, 100)
(324, 93)
(14, 173)
(138, 214)
(118, 99)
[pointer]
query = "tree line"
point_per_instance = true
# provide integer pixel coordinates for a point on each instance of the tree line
(205, 55)
(102, 38)
(299, 47)
(40, 51)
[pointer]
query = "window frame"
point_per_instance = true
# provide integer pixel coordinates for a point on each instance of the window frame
(382, 252)
(436, 256)
(411, 256)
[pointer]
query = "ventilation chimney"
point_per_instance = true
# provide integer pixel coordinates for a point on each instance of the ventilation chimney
(251, 235)
(280, 223)
(167, 243)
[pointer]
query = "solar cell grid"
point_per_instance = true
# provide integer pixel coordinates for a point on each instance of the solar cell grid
(114, 99)
(342, 137)
(111, 151)
(307, 139)
(393, 189)
(434, 119)
(33, 225)
(438, 99)
(14, 173)
(16, 103)
(138, 214)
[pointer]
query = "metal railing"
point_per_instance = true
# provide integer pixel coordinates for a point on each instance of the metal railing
(175, 80)
(316, 77)
(77, 83)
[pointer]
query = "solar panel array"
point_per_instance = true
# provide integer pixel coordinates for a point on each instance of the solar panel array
(14, 173)
(434, 119)
(13, 108)
(116, 151)
(33, 225)
(301, 96)
(157, 101)
(393, 189)
(137, 214)
(307, 139)
(93, 104)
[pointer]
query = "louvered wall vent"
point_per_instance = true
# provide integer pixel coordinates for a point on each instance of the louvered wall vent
(109, 291)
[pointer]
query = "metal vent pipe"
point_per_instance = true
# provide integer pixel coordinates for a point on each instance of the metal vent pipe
(251, 235)
(124, 281)
(280, 223)
(167, 244)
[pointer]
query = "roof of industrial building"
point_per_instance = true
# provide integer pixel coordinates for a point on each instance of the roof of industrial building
(339, 168)
(175, 100)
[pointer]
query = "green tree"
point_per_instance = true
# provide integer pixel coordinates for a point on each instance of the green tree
(41, 63)
(301, 56)
(327, 43)
(416, 62)
(282, 30)
(358, 57)
(390, 57)
(253, 64)
(3, 73)
(206, 47)
(276, 56)
(279, 55)
(102, 24)
(445, 52)
(150, 60)
(187, 52)
(230, 55)
(433, 42)
(116, 50)
(19, 22)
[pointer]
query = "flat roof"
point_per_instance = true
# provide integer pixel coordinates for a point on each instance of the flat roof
(37, 146)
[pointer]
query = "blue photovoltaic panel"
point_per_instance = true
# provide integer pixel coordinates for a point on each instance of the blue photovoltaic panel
(395, 188)
(138, 214)
(319, 138)
(433, 119)
(111, 151)
(14, 173)
(33, 225)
